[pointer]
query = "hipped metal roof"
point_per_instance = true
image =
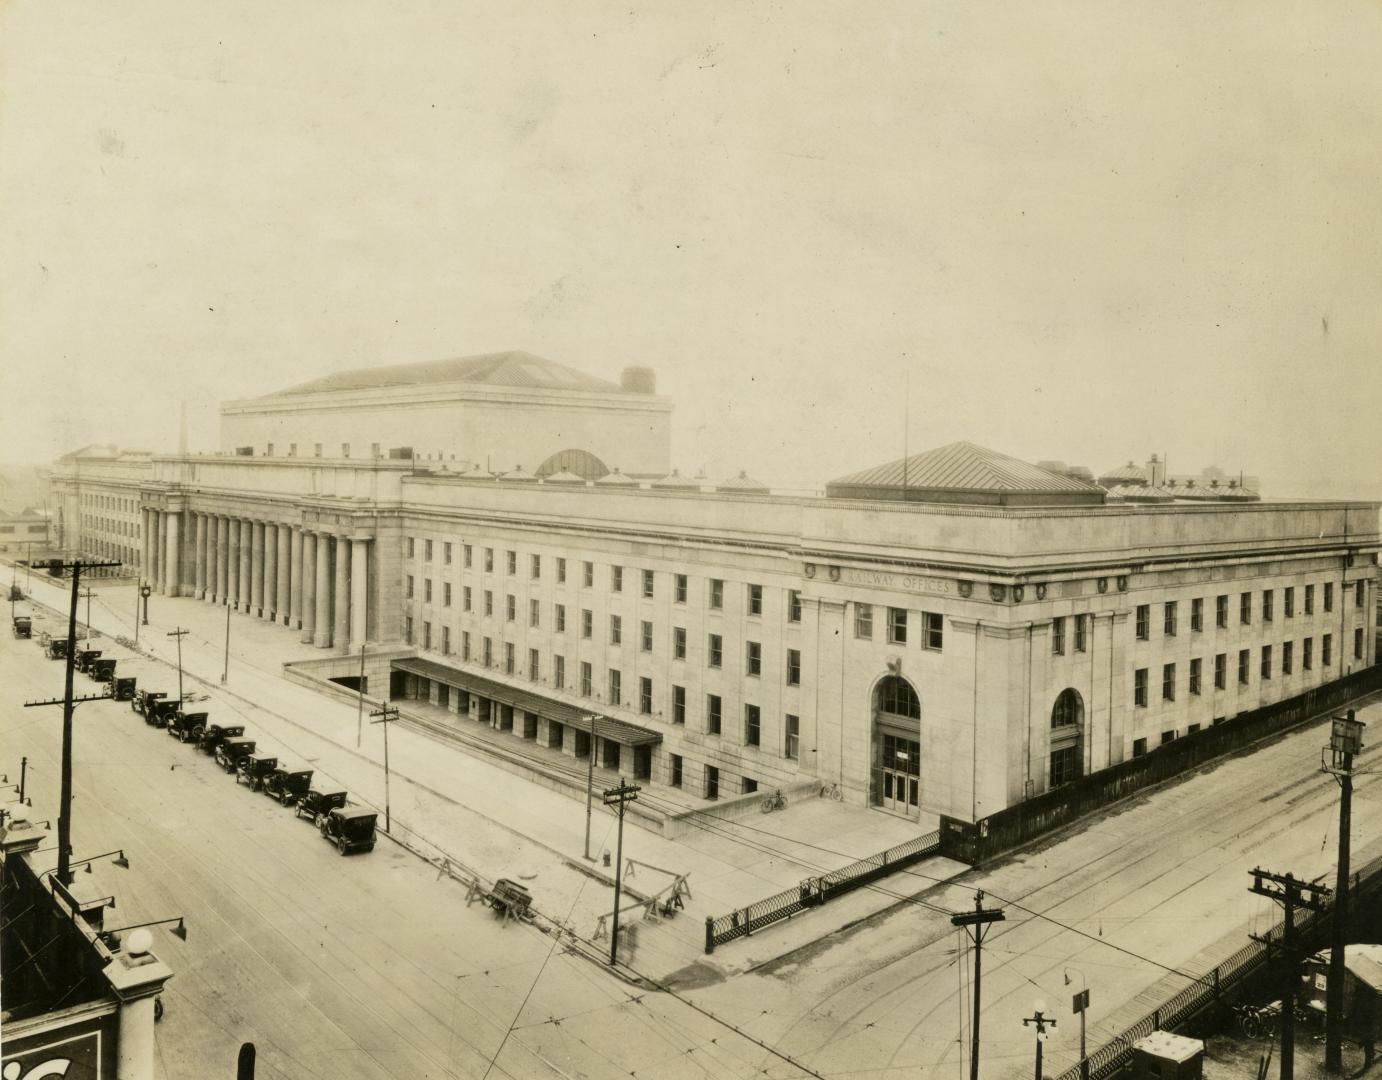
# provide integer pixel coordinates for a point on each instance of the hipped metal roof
(521, 369)
(964, 466)
(548, 708)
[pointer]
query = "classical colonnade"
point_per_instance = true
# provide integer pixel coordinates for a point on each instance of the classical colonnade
(313, 581)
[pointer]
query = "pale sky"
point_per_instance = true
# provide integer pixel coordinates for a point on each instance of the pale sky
(1084, 231)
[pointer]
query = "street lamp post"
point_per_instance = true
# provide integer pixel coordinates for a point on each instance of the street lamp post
(146, 591)
(1079, 1003)
(1041, 1021)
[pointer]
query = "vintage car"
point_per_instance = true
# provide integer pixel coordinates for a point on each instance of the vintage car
(23, 626)
(231, 750)
(103, 670)
(253, 769)
(288, 785)
(161, 711)
(350, 828)
(87, 657)
(122, 689)
(183, 725)
(143, 700)
(57, 648)
(215, 734)
(315, 803)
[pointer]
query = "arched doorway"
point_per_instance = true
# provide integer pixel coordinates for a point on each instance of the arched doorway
(581, 462)
(897, 747)
(1067, 738)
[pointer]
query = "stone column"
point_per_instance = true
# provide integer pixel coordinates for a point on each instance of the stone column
(322, 634)
(307, 587)
(246, 571)
(296, 578)
(341, 610)
(146, 529)
(282, 595)
(212, 559)
(232, 593)
(359, 591)
(135, 979)
(270, 571)
(199, 581)
(173, 573)
(257, 568)
(160, 538)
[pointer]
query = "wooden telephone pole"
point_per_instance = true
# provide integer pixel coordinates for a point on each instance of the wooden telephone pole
(1346, 739)
(1290, 893)
(974, 923)
(621, 797)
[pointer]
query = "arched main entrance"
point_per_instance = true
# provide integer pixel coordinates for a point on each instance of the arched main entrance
(897, 747)
(1067, 738)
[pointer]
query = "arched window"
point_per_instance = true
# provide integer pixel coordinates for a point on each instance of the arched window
(896, 696)
(581, 462)
(1067, 738)
(1069, 709)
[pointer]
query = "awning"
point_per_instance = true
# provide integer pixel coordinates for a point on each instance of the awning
(548, 708)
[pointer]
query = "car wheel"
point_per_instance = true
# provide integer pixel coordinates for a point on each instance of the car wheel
(341, 845)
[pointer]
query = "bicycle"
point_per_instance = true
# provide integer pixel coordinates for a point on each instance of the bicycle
(832, 791)
(775, 801)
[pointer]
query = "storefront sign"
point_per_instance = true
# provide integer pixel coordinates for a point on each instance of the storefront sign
(76, 1057)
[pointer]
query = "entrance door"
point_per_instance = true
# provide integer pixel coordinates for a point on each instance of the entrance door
(900, 765)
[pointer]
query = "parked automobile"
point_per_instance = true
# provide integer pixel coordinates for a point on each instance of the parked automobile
(103, 670)
(122, 689)
(254, 768)
(23, 626)
(288, 785)
(215, 734)
(57, 648)
(350, 828)
(87, 657)
(184, 726)
(315, 803)
(143, 700)
(231, 750)
(162, 711)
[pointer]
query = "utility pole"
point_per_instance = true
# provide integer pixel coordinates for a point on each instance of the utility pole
(88, 594)
(23, 776)
(68, 703)
(1080, 1004)
(621, 797)
(179, 633)
(386, 714)
(590, 784)
(1346, 739)
(975, 923)
(1042, 1022)
(360, 707)
(225, 665)
(1291, 893)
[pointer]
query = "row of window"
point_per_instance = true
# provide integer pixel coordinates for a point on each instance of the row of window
(110, 502)
(1170, 610)
(932, 626)
(711, 780)
(1266, 667)
(98, 523)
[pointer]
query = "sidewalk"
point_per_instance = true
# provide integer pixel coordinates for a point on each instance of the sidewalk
(452, 804)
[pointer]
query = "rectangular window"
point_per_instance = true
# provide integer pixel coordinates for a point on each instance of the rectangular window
(465, 644)
(717, 594)
(534, 613)
(1139, 688)
(587, 623)
(1326, 650)
(1081, 632)
(1360, 592)
(616, 630)
(559, 617)
(510, 607)
(647, 584)
(559, 672)
(616, 692)
(1266, 605)
(712, 782)
(675, 778)
(585, 679)
(446, 640)
(561, 571)
(681, 588)
(1197, 614)
(489, 652)
(751, 725)
(1358, 643)
(408, 588)
(793, 606)
(412, 548)
(446, 553)
(1168, 618)
(508, 658)
(755, 599)
(408, 629)
(792, 744)
(616, 578)
(1195, 676)
(427, 590)
(489, 560)
(511, 562)
(1309, 599)
(1287, 656)
(1245, 609)
(645, 696)
(345, 449)
(465, 597)
(1168, 682)
(1329, 596)
(679, 643)
(1244, 662)
(712, 714)
(1221, 611)
(535, 566)
(714, 651)
(1288, 602)
(426, 635)
(863, 621)
(427, 551)
(1168, 736)
(753, 658)
(588, 574)
(1266, 669)
(1307, 654)
(1221, 671)
(1144, 622)
(678, 704)
(793, 667)
(534, 665)
(932, 631)
(897, 626)
(446, 594)
(1139, 747)
(1058, 636)
(468, 556)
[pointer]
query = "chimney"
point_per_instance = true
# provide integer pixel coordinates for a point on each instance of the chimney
(1156, 471)
(638, 380)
